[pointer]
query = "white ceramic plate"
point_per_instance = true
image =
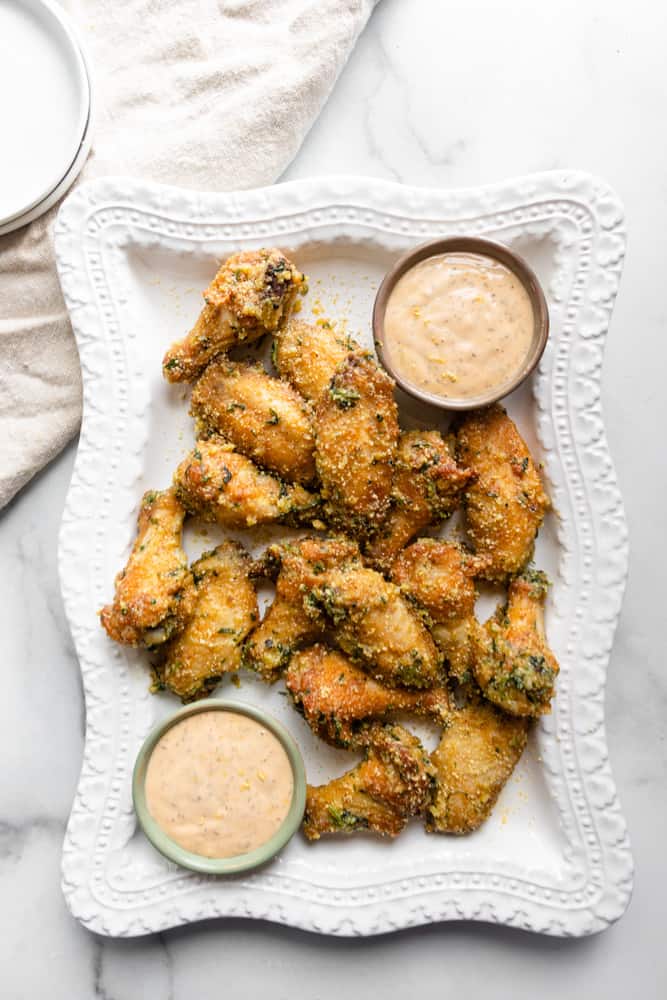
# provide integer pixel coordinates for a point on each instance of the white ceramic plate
(554, 857)
(44, 110)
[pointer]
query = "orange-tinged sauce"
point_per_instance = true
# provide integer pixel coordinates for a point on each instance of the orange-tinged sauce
(219, 784)
(457, 325)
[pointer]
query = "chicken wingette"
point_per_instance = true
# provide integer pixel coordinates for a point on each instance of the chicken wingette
(374, 624)
(253, 293)
(505, 505)
(336, 697)
(220, 485)
(393, 783)
(224, 611)
(517, 669)
(308, 354)
(356, 437)
(263, 417)
(426, 489)
(439, 577)
(154, 593)
(478, 751)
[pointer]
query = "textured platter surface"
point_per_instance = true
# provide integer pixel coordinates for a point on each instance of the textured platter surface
(555, 856)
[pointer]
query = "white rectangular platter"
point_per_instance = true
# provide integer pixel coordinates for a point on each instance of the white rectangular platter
(554, 857)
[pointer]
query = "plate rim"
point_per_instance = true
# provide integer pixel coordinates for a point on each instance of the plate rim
(65, 174)
(596, 216)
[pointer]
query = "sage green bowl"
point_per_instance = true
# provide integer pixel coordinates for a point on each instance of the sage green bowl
(239, 862)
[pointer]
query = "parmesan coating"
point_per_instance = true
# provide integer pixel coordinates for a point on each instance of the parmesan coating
(439, 577)
(261, 416)
(394, 782)
(505, 505)
(287, 625)
(220, 485)
(374, 624)
(153, 594)
(356, 441)
(335, 696)
(308, 354)
(517, 670)
(224, 611)
(478, 751)
(426, 489)
(253, 293)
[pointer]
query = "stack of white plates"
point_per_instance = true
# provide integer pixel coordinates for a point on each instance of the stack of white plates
(45, 109)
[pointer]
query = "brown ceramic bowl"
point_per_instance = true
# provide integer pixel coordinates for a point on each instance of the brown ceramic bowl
(471, 245)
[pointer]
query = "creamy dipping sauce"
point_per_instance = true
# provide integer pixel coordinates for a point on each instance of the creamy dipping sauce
(457, 325)
(219, 784)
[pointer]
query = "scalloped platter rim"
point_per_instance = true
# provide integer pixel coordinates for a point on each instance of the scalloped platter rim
(556, 857)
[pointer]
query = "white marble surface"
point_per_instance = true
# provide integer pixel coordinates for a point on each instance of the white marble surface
(445, 93)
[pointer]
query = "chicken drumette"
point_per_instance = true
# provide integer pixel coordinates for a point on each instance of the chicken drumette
(427, 488)
(336, 697)
(439, 577)
(253, 293)
(154, 593)
(516, 669)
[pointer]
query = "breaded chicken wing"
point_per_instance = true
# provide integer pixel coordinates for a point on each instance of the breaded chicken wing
(505, 505)
(426, 490)
(287, 625)
(225, 609)
(374, 624)
(356, 437)
(394, 782)
(439, 577)
(336, 697)
(308, 354)
(154, 592)
(252, 294)
(264, 418)
(517, 670)
(478, 751)
(220, 485)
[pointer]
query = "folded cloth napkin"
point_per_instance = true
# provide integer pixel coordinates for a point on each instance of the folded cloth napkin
(208, 94)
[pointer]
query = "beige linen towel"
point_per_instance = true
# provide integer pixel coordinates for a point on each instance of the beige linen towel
(208, 94)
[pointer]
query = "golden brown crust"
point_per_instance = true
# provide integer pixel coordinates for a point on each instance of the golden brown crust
(517, 669)
(220, 485)
(505, 505)
(225, 609)
(356, 434)
(335, 696)
(287, 625)
(264, 418)
(476, 755)
(308, 354)
(394, 782)
(153, 594)
(439, 577)
(374, 624)
(252, 294)
(285, 628)
(427, 488)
